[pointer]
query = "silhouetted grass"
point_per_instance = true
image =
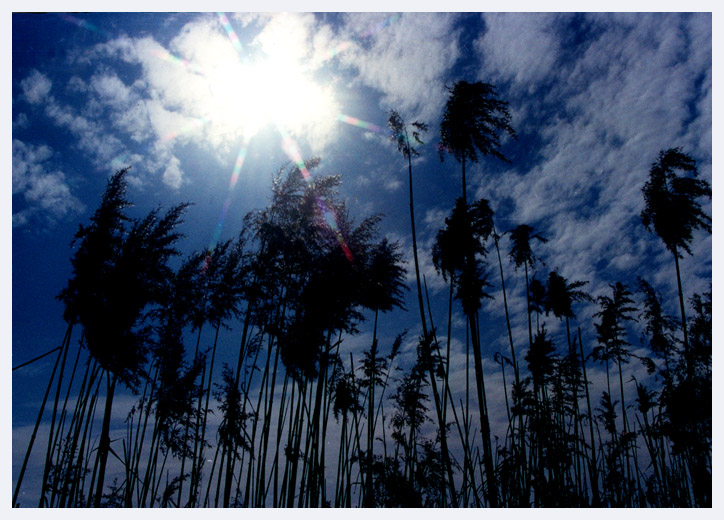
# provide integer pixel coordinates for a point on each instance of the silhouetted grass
(300, 425)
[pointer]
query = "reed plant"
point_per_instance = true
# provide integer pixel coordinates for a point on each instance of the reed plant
(298, 419)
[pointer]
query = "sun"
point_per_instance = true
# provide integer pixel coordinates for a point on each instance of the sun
(275, 86)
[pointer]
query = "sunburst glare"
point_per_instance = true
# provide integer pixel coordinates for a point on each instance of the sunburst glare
(272, 86)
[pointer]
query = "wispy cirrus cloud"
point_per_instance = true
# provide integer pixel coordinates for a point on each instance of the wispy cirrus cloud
(406, 57)
(517, 48)
(638, 84)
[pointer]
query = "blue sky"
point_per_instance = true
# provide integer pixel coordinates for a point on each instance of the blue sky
(182, 97)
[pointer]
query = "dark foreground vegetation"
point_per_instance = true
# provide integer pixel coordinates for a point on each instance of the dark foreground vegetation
(297, 424)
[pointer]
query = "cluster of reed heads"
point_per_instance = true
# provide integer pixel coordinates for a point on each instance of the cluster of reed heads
(293, 421)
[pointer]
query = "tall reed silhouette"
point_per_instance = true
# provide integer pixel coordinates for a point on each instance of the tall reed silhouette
(118, 273)
(294, 288)
(401, 136)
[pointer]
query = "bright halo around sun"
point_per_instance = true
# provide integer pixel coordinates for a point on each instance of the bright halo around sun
(275, 87)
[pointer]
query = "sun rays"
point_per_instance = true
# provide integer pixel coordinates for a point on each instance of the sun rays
(223, 90)
(276, 89)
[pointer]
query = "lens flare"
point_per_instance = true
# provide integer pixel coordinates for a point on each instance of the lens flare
(359, 123)
(84, 24)
(167, 56)
(230, 192)
(292, 150)
(255, 92)
(230, 32)
(331, 53)
(348, 43)
(195, 123)
(384, 23)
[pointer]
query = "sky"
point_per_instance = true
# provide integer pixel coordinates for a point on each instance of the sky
(205, 108)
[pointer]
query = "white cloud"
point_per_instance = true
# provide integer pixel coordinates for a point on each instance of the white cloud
(27, 163)
(20, 218)
(202, 77)
(434, 218)
(112, 90)
(520, 47)
(172, 174)
(246, 19)
(392, 184)
(51, 192)
(21, 121)
(406, 57)
(195, 89)
(36, 87)
(77, 84)
(134, 120)
(130, 117)
(169, 125)
(91, 135)
(288, 33)
(642, 84)
(45, 192)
